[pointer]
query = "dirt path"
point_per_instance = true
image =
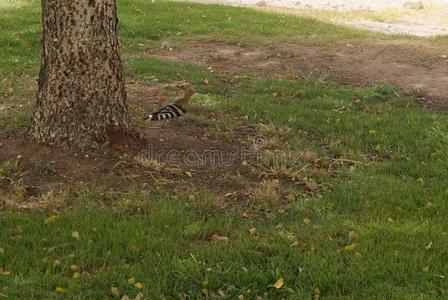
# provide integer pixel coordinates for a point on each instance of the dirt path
(417, 69)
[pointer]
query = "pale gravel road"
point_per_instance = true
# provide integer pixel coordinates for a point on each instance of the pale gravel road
(340, 5)
(429, 28)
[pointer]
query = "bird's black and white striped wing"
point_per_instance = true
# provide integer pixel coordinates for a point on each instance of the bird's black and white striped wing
(168, 112)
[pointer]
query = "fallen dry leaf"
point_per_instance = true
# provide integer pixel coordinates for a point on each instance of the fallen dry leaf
(76, 275)
(253, 231)
(299, 244)
(306, 221)
(182, 296)
(279, 283)
(350, 247)
(425, 269)
(241, 297)
(219, 238)
(353, 235)
(56, 263)
(138, 285)
(429, 246)
(51, 219)
(3, 272)
(131, 280)
(125, 297)
(221, 293)
(60, 290)
(75, 234)
(114, 291)
(139, 296)
(74, 268)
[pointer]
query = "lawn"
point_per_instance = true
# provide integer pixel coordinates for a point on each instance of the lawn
(357, 212)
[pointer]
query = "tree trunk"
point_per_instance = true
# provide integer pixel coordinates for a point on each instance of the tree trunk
(81, 98)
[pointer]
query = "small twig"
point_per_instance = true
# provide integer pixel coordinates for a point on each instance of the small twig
(337, 160)
(117, 164)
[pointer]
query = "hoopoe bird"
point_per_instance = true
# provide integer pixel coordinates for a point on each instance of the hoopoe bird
(175, 109)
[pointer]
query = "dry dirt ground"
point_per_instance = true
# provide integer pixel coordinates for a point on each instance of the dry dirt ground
(417, 69)
(35, 170)
(178, 157)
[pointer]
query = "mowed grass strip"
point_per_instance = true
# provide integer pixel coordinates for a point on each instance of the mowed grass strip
(172, 251)
(144, 24)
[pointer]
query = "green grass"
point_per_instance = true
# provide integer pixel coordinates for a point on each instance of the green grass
(393, 197)
(167, 247)
(144, 24)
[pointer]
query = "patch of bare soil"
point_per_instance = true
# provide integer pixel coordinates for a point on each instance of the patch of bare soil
(417, 69)
(178, 157)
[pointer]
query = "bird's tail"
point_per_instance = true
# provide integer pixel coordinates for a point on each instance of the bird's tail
(168, 112)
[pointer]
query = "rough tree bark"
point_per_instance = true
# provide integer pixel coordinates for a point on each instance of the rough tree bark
(81, 99)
